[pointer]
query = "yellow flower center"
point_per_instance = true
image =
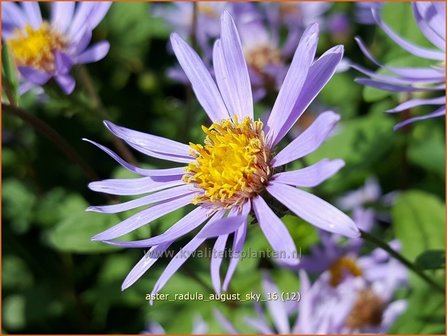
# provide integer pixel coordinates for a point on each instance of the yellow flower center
(262, 55)
(342, 265)
(36, 47)
(232, 165)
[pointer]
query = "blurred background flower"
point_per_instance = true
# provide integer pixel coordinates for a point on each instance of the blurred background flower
(48, 49)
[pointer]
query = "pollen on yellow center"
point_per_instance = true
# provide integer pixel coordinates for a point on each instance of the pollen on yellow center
(344, 264)
(36, 47)
(232, 165)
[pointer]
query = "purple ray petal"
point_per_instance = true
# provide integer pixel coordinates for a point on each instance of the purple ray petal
(95, 53)
(150, 144)
(427, 30)
(203, 85)
(416, 73)
(310, 176)
(223, 77)
(314, 210)
(146, 200)
(276, 308)
(309, 140)
(13, 14)
(238, 244)
(62, 14)
(276, 232)
(81, 40)
(293, 83)
(319, 74)
(144, 217)
(216, 261)
(222, 226)
(135, 186)
(438, 113)
(417, 102)
(181, 257)
(393, 87)
(390, 79)
(63, 63)
(80, 17)
(242, 99)
(302, 322)
(434, 15)
(144, 264)
(34, 76)
(98, 12)
(404, 44)
(185, 225)
(66, 82)
(137, 170)
(32, 11)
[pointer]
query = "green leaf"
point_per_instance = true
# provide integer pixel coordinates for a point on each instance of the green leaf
(427, 149)
(14, 312)
(419, 222)
(431, 260)
(19, 202)
(425, 314)
(73, 233)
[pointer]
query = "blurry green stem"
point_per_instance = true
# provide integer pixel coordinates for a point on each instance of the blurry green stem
(380, 243)
(52, 135)
(8, 92)
(98, 107)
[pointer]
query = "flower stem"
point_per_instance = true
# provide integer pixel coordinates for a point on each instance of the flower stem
(102, 113)
(382, 244)
(51, 134)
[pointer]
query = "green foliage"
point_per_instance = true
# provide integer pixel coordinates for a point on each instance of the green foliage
(419, 222)
(431, 260)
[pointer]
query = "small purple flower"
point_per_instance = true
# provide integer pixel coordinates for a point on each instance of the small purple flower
(48, 49)
(430, 17)
(232, 173)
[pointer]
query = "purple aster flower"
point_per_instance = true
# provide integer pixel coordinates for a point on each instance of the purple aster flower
(430, 17)
(235, 170)
(48, 49)
(356, 305)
